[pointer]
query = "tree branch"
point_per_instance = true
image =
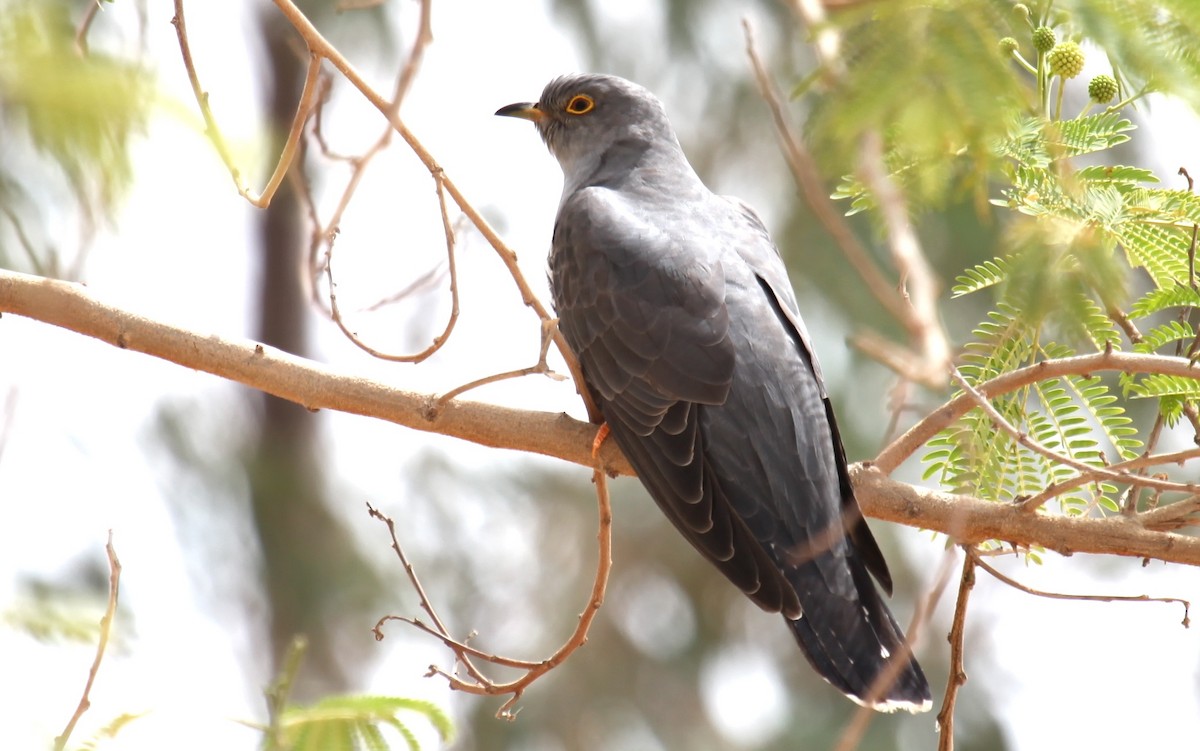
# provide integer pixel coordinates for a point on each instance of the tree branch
(316, 386)
(1124, 362)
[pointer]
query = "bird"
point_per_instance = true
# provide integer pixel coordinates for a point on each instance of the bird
(677, 304)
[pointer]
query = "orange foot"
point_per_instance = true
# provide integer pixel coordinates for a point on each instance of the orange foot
(601, 435)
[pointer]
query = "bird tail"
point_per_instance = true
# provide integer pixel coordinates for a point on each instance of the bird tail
(856, 645)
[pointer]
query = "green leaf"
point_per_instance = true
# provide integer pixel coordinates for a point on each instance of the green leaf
(80, 110)
(1159, 385)
(986, 274)
(1086, 135)
(352, 722)
(1117, 175)
(1168, 333)
(1158, 300)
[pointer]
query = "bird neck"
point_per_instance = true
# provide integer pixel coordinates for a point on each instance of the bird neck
(635, 164)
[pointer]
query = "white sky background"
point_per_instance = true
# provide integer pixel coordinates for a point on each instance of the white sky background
(1062, 674)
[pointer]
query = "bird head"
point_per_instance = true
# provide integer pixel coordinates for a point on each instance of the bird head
(584, 118)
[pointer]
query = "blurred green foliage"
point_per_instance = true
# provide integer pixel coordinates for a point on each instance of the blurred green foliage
(78, 111)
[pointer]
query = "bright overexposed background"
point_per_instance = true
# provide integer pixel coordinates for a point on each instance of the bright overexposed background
(78, 462)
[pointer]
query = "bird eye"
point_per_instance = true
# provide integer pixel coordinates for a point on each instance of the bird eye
(580, 104)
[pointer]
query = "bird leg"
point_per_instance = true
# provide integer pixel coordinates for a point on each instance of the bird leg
(601, 436)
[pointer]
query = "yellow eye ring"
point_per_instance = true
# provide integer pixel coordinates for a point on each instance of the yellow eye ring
(580, 104)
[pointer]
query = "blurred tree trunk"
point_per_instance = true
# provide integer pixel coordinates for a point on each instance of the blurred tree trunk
(310, 563)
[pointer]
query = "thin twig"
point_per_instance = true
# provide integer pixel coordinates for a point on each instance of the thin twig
(416, 55)
(856, 728)
(539, 368)
(106, 623)
(816, 197)
(278, 693)
(1035, 446)
(440, 339)
(85, 25)
(1130, 506)
(291, 145)
(425, 602)
(481, 684)
(287, 155)
(455, 645)
(901, 360)
(323, 232)
(1174, 516)
(917, 278)
(958, 673)
(1120, 318)
(1126, 362)
(320, 46)
(1187, 605)
(1083, 478)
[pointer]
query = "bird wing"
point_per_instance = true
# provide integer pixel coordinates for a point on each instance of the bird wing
(775, 445)
(704, 371)
(764, 258)
(647, 318)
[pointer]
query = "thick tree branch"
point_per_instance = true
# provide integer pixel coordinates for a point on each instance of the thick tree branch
(305, 382)
(968, 520)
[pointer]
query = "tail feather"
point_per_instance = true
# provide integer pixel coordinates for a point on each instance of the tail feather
(851, 641)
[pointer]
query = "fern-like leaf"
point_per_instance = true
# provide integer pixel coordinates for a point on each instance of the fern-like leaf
(1162, 251)
(1157, 385)
(1120, 176)
(1168, 333)
(1158, 300)
(1085, 135)
(986, 274)
(353, 723)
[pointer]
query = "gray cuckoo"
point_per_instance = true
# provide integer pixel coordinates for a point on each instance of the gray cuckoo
(678, 306)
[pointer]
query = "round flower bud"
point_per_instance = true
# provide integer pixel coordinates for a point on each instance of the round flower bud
(1044, 39)
(1008, 45)
(1066, 59)
(1102, 88)
(1021, 10)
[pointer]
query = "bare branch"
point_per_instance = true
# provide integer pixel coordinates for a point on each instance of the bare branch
(106, 622)
(286, 156)
(958, 674)
(538, 368)
(440, 339)
(316, 386)
(973, 520)
(1185, 513)
(1124, 362)
(1090, 475)
(296, 379)
(85, 26)
(917, 279)
(480, 683)
(318, 45)
(816, 197)
(974, 555)
(324, 232)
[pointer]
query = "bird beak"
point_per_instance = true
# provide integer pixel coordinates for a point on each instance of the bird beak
(523, 110)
